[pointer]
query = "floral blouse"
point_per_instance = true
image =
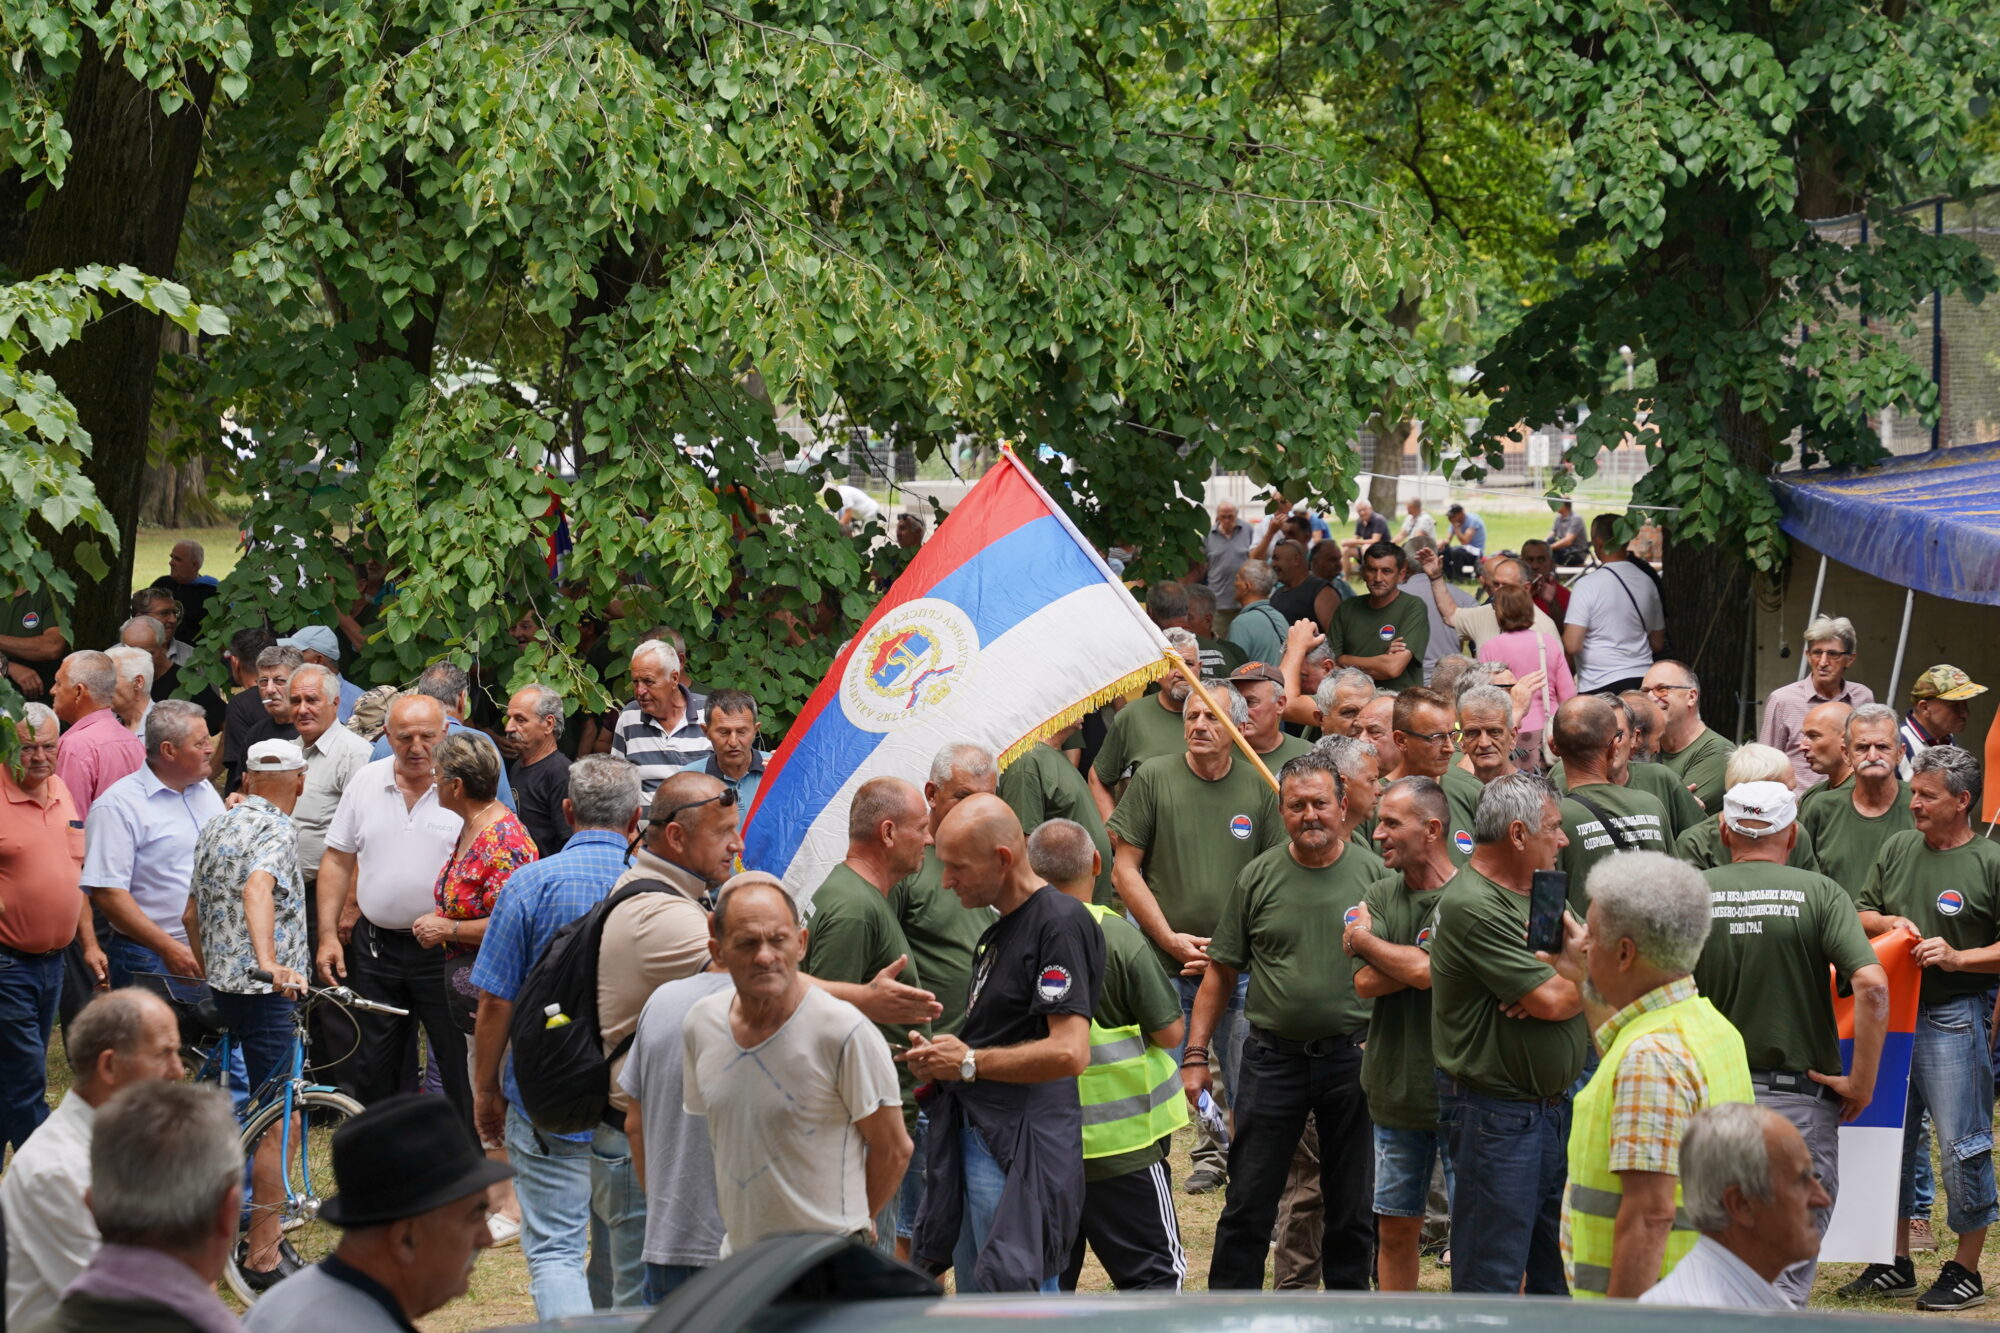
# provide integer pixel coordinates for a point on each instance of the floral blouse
(470, 881)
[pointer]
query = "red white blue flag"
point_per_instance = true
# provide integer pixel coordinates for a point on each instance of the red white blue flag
(1863, 1227)
(1005, 628)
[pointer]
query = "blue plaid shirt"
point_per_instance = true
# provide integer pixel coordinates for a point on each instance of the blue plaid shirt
(541, 898)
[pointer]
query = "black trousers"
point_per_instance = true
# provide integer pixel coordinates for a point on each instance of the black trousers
(1278, 1091)
(336, 1049)
(1459, 563)
(1129, 1221)
(390, 967)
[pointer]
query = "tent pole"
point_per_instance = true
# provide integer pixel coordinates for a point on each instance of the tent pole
(1902, 642)
(1819, 586)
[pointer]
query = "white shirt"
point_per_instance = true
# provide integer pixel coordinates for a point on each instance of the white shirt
(1712, 1277)
(1413, 524)
(50, 1234)
(331, 763)
(140, 837)
(859, 504)
(1615, 625)
(398, 848)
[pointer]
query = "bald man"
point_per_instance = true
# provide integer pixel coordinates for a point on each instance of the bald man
(1006, 1083)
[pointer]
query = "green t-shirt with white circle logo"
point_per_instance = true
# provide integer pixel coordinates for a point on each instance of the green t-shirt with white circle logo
(1461, 795)
(1952, 894)
(1360, 629)
(1283, 926)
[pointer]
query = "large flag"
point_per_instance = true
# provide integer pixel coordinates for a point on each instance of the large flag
(1863, 1229)
(1006, 627)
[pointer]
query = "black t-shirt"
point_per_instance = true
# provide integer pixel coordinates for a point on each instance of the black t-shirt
(539, 789)
(1375, 528)
(246, 722)
(1045, 957)
(194, 598)
(1297, 603)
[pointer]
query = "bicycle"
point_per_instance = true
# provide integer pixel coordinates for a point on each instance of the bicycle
(290, 1117)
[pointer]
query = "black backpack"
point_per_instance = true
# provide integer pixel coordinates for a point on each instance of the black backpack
(563, 1072)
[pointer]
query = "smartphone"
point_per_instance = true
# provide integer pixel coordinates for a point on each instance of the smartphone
(1548, 895)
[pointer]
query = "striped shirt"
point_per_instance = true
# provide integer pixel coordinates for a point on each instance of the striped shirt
(1659, 1086)
(656, 752)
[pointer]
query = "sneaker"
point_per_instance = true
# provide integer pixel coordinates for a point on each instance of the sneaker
(1897, 1279)
(1957, 1288)
(504, 1229)
(1205, 1180)
(1922, 1239)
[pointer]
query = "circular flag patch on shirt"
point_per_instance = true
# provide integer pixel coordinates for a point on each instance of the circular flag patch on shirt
(1053, 984)
(1240, 826)
(31, 620)
(1386, 633)
(1463, 841)
(1351, 915)
(1951, 902)
(1423, 937)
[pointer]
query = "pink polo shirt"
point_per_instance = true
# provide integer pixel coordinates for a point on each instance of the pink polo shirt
(94, 753)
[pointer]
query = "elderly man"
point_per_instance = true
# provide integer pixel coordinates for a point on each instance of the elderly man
(1385, 633)
(1263, 689)
(1128, 1208)
(412, 1207)
(731, 728)
(41, 863)
(539, 772)
(1416, 523)
(1937, 713)
(1615, 625)
(1144, 729)
(141, 838)
(1667, 1055)
(134, 693)
(1779, 931)
(1703, 846)
(1941, 882)
(1752, 1191)
(151, 636)
(1041, 785)
(448, 683)
(96, 749)
(1376, 724)
(1004, 1188)
(321, 647)
(246, 913)
(273, 721)
(1369, 528)
(660, 731)
(1359, 764)
(1509, 1038)
(1184, 831)
(1567, 542)
(1477, 624)
(1337, 703)
(1550, 595)
(166, 1191)
(1201, 622)
(388, 840)
(1259, 627)
(118, 1039)
(160, 605)
(1829, 655)
(333, 755)
(31, 642)
(1698, 756)
(186, 584)
(1848, 824)
(1486, 734)
(1602, 812)
(1224, 550)
(1306, 1025)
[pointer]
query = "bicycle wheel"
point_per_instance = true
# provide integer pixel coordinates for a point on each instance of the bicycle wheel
(302, 1149)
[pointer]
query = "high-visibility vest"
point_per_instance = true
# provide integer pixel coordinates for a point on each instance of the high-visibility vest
(1590, 1211)
(1131, 1091)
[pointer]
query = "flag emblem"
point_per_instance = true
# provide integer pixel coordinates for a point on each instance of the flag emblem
(1423, 937)
(1386, 633)
(1951, 902)
(31, 620)
(1463, 841)
(914, 659)
(1053, 984)
(1239, 826)
(1351, 915)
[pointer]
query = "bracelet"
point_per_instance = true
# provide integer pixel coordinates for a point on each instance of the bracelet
(1194, 1050)
(1194, 1064)
(454, 932)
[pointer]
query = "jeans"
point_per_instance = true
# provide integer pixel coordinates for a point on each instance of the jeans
(1226, 1057)
(1404, 1159)
(1276, 1092)
(984, 1180)
(1923, 1187)
(261, 1028)
(910, 1194)
(1951, 1076)
(124, 957)
(663, 1280)
(30, 989)
(1510, 1162)
(557, 1181)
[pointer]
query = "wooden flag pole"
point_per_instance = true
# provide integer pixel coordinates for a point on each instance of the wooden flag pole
(1222, 716)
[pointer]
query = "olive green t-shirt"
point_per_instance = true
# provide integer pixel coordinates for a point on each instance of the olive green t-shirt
(1042, 785)
(1703, 766)
(1846, 841)
(1701, 847)
(1283, 926)
(1136, 994)
(26, 614)
(1633, 813)
(1398, 1071)
(1219, 657)
(1776, 931)
(1197, 835)
(1287, 749)
(1461, 797)
(1480, 961)
(1659, 782)
(852, 933)
(942, 934)
(1360, 629)
(1140, 730)
(1953, 894)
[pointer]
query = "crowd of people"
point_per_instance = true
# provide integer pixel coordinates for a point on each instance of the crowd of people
(1281, 900)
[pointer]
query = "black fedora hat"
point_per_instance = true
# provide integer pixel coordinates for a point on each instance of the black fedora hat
(403, 1156)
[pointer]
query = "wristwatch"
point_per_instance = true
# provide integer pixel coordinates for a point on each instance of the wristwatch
(968, 1068)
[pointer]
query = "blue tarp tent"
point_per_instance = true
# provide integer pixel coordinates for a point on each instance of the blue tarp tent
(1930, 522)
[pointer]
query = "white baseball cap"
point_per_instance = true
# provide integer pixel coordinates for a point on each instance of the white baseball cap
(1769, 804)
(274, 757)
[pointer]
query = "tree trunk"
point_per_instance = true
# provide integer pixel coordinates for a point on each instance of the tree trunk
(175, 495)
(1386, 459)
(123, 201)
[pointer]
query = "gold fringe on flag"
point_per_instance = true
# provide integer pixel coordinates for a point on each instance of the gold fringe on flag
(1124, 685)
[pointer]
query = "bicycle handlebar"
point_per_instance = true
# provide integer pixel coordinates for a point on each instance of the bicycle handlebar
(340, 995)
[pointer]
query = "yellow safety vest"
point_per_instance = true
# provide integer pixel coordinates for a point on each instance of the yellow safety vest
(1591, 1210)
(1131, 1091)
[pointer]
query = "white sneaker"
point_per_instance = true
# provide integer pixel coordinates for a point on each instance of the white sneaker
(504, 1229)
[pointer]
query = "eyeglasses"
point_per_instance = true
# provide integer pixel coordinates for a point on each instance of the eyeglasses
(1665, 689)
(725, 798)
(1826, 655)
(1429, 738)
